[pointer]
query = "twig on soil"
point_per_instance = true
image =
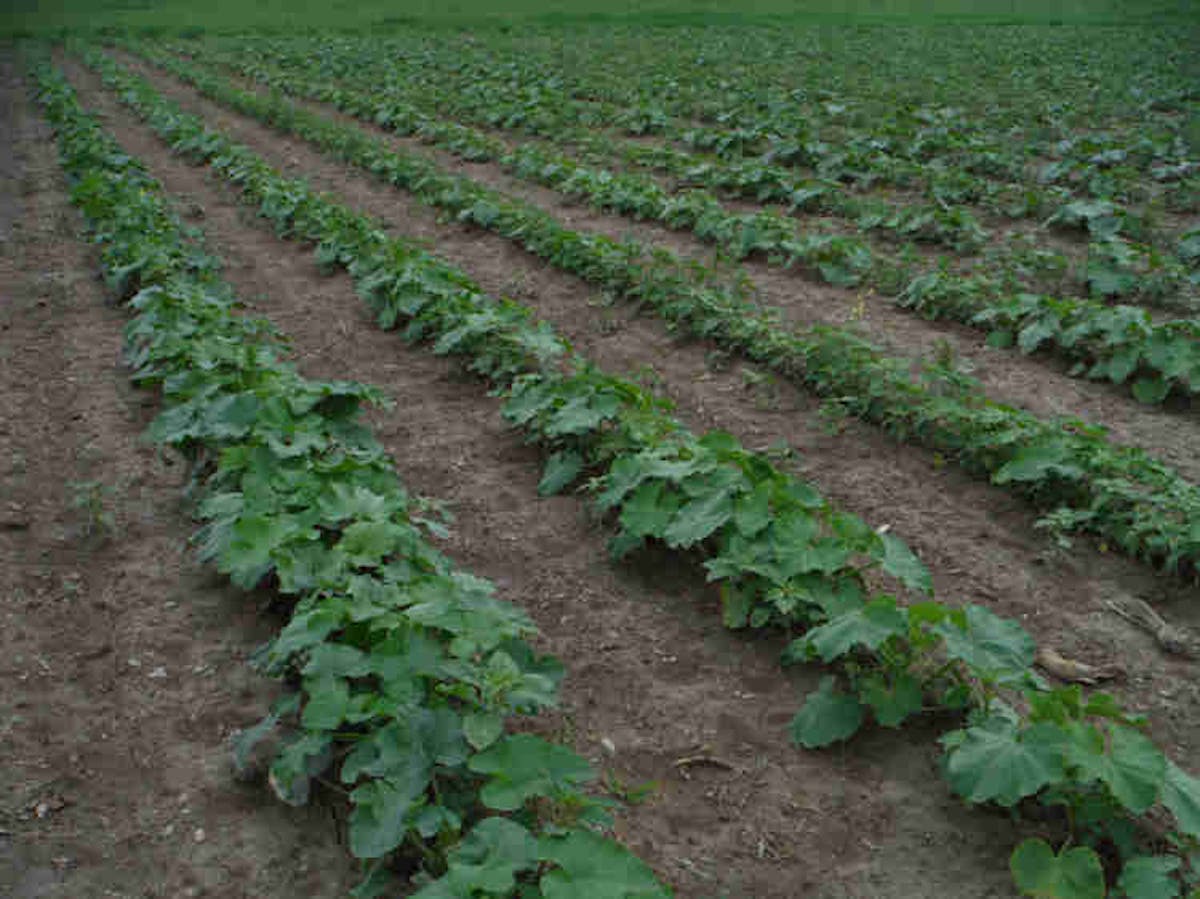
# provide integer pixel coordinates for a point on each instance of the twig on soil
(688, 761)
(1172, 639)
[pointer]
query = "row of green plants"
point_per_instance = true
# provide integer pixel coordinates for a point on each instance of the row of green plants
(1032, 135)
(403, 106)
(508, 94)
(1118, 262)
(1085, 482)
(782, 556)
(1121, 344)
(402, 668)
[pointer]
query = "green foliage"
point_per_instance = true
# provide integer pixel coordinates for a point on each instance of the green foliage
(782, 554)
(486, 862)
(997, 762)
(585, 865)
(827, 717)
(1089, 332)
(523, 766)
(1073, 874)
(403, 664)
(1121, 494)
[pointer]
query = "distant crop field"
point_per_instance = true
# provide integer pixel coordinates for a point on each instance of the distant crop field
(641, 450)
(353, 14)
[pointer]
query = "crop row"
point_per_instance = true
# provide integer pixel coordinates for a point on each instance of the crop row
(1121, 344)
(1069, 468)
(407, 102)
(1115, 265)
(1128, 254)
(782, 555)
(406, 667)
(1118, 263)
(754, 110)
(506, 93)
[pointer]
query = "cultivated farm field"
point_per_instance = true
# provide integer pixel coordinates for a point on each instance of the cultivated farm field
(452, 455)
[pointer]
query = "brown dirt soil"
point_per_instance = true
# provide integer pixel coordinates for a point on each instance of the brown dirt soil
(1038, 383)
(122, 665)
(682, 702)
(680, 682)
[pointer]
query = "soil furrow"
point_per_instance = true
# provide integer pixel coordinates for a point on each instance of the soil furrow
(980, 544)
(1038, 383)
(650, 669)
(123, 664)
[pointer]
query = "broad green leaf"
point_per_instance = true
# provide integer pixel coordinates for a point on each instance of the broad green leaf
(581, 414)
(736, 603)
(230, 417)
(1000, 339)
(892, 701)
(561, 469)
(328, 703)
(432, 820)
(826, 555)
(1151, 391)
(1149, 877)
(993, 647)
(302, 567)
(407, 750)
(1181, 796)
(649, 509)
(305, 631)
(482, 729)
(1035, 333)
(826, 717)
(379, 819)
(1039, 463)
(345, 502)
(244, 741)
(752, 512)
(587, 864)
(1076, 874)
(487, 860)
(997, 763)
(1108, 281)
(522, 766)
(337, 660)
(698, 518)
(902, 563)
(368, 542)
(1131, 766)
(301, 758)
(248, 557)
(869, 626)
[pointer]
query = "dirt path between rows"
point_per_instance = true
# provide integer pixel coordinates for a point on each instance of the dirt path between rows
(650, 669)
(1038, 383)
(122, 664)
(648, 672)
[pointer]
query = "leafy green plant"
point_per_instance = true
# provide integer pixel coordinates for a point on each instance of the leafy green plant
(91, 498)
(404, 669)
